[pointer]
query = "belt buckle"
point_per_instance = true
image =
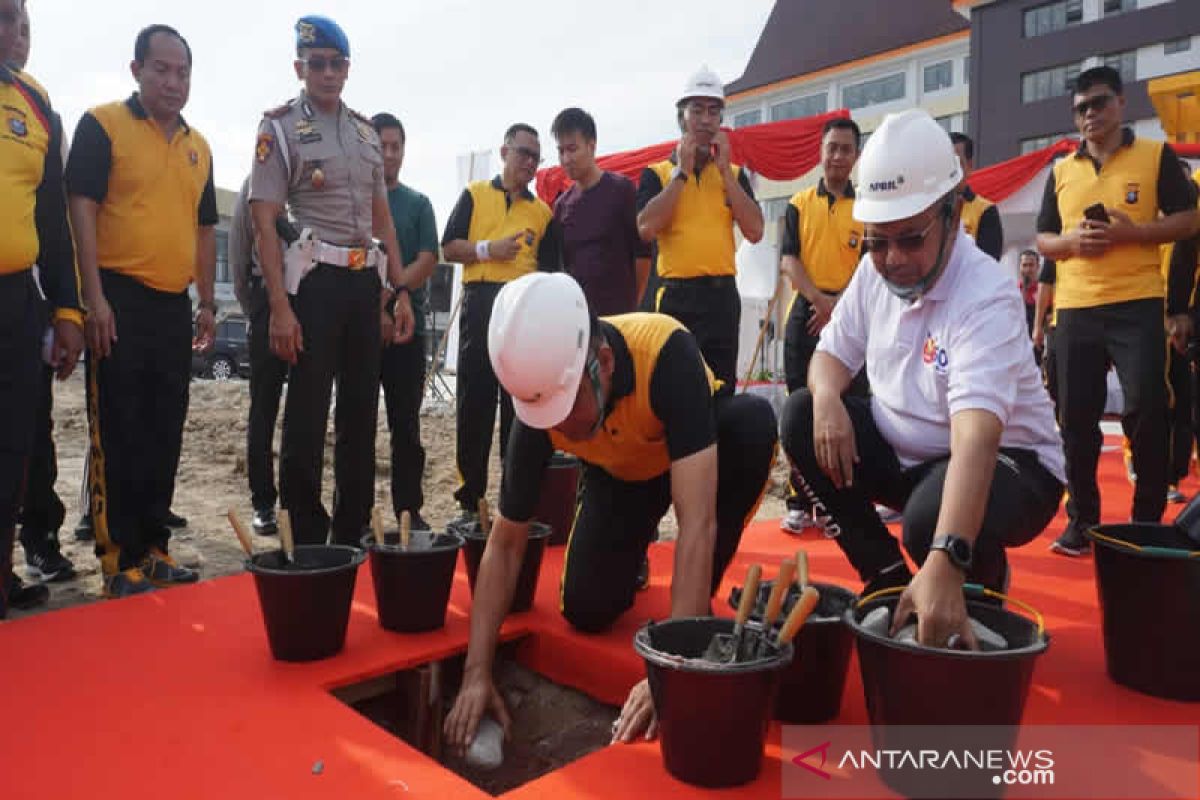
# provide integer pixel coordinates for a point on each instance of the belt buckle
(357, 258)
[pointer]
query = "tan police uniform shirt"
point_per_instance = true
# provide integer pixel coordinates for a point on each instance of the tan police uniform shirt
(331, 175)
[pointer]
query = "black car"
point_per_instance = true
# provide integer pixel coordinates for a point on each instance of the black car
(230, 354)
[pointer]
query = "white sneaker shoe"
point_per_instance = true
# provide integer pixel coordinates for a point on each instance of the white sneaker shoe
(796, 521)
(888, 514)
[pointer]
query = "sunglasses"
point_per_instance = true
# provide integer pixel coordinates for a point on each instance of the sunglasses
(905, 243)
(1097, 104)
(528, 155)
(320, 63)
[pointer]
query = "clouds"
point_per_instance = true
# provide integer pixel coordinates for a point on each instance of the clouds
(457, 72)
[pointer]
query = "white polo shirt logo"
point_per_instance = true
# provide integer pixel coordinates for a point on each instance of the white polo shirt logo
(934, 354)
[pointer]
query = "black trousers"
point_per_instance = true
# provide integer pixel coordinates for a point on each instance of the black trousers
(1179, 375)
(22, 321)
(137, 403)
(268, 373)
(1050, 368)
(711, 308)
(339, 311)
(798, 348)
(42, 510)
(1085, 339)
(476, 395)
(403, 375)
(617, 520)
(1023, 498)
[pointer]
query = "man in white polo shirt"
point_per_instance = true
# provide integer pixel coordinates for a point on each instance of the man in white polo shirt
(959, 431)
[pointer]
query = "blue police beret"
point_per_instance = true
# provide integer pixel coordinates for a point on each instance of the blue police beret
(318, 31)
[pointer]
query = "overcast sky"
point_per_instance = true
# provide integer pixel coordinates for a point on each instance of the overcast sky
(456, 72)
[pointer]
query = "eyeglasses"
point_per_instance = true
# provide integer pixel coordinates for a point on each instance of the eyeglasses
(906, 243)
(320, 63)
(1097, 104)
(526, 154)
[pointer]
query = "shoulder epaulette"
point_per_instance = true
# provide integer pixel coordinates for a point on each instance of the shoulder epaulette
(279, 111)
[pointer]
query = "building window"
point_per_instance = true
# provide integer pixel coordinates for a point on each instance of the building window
(1053, 17)
(1047, 83)
(808, 106)
(939, 76)
(1038, 142)
(873, 92)
(967, 70)
(747, 118)
(1180, 45)
(1124, 63)
(1113, 7)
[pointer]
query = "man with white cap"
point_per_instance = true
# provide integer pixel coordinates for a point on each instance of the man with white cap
(689, 204)
(959, 431)
(631, 396)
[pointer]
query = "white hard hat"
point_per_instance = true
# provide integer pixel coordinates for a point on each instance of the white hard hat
(538, 343)
(907, 165)
(703, 83)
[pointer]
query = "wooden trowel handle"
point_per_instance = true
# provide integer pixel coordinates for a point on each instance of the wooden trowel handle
(240, 530)
(778, 592)
(800, 612)
(749, 594)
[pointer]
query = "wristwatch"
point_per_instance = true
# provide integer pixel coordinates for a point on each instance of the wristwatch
(209, 304)
(958, 549)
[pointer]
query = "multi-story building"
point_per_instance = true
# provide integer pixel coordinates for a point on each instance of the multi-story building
(1025, 53)
(872, 57)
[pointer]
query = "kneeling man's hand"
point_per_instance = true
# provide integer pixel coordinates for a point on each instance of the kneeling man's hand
(935, 595)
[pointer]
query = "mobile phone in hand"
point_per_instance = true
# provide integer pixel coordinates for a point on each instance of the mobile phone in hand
(1096, 213)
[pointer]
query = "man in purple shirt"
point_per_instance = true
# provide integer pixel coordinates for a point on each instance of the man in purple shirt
(598, 215)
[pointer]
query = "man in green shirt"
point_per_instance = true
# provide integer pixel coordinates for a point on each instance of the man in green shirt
(403, 365)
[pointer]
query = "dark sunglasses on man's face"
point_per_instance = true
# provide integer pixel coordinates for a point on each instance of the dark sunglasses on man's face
(905, 243)
(1097, 104)
(320, 63)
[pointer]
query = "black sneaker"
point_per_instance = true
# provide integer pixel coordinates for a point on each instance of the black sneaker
(126, 584)
(162, 570)
(173, 520)
(44, 560)
(417, 522)
(23, 598)
(1072, 542)
(83, 529)
(265, 522)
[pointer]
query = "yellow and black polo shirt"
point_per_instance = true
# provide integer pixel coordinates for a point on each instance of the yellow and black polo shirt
(1142, 178)
(819, 229)
(659, 410)
(485, 211)
(153, 194)
(981, 220)
(31, 196)
(699, 241)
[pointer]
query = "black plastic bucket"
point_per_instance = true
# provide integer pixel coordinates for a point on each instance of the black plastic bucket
(412, 586)
(474, 543)
(811, 688)
(712, 717)
(306, 605)
(907, 684)
(1148, 577)
(556, 503)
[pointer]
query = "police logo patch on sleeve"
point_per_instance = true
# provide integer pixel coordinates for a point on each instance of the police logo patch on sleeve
(264, 148)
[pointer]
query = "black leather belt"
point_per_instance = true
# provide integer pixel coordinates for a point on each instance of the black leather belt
(704, 281)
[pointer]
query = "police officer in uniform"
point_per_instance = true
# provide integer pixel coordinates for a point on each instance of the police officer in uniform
(33, 206)
(980, 217)
(324, 161)
(267, 371)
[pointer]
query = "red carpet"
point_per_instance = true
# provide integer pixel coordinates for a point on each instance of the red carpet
(175, 694)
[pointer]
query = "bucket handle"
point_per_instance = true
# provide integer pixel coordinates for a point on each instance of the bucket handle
(972, 589)
(1151, 550)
